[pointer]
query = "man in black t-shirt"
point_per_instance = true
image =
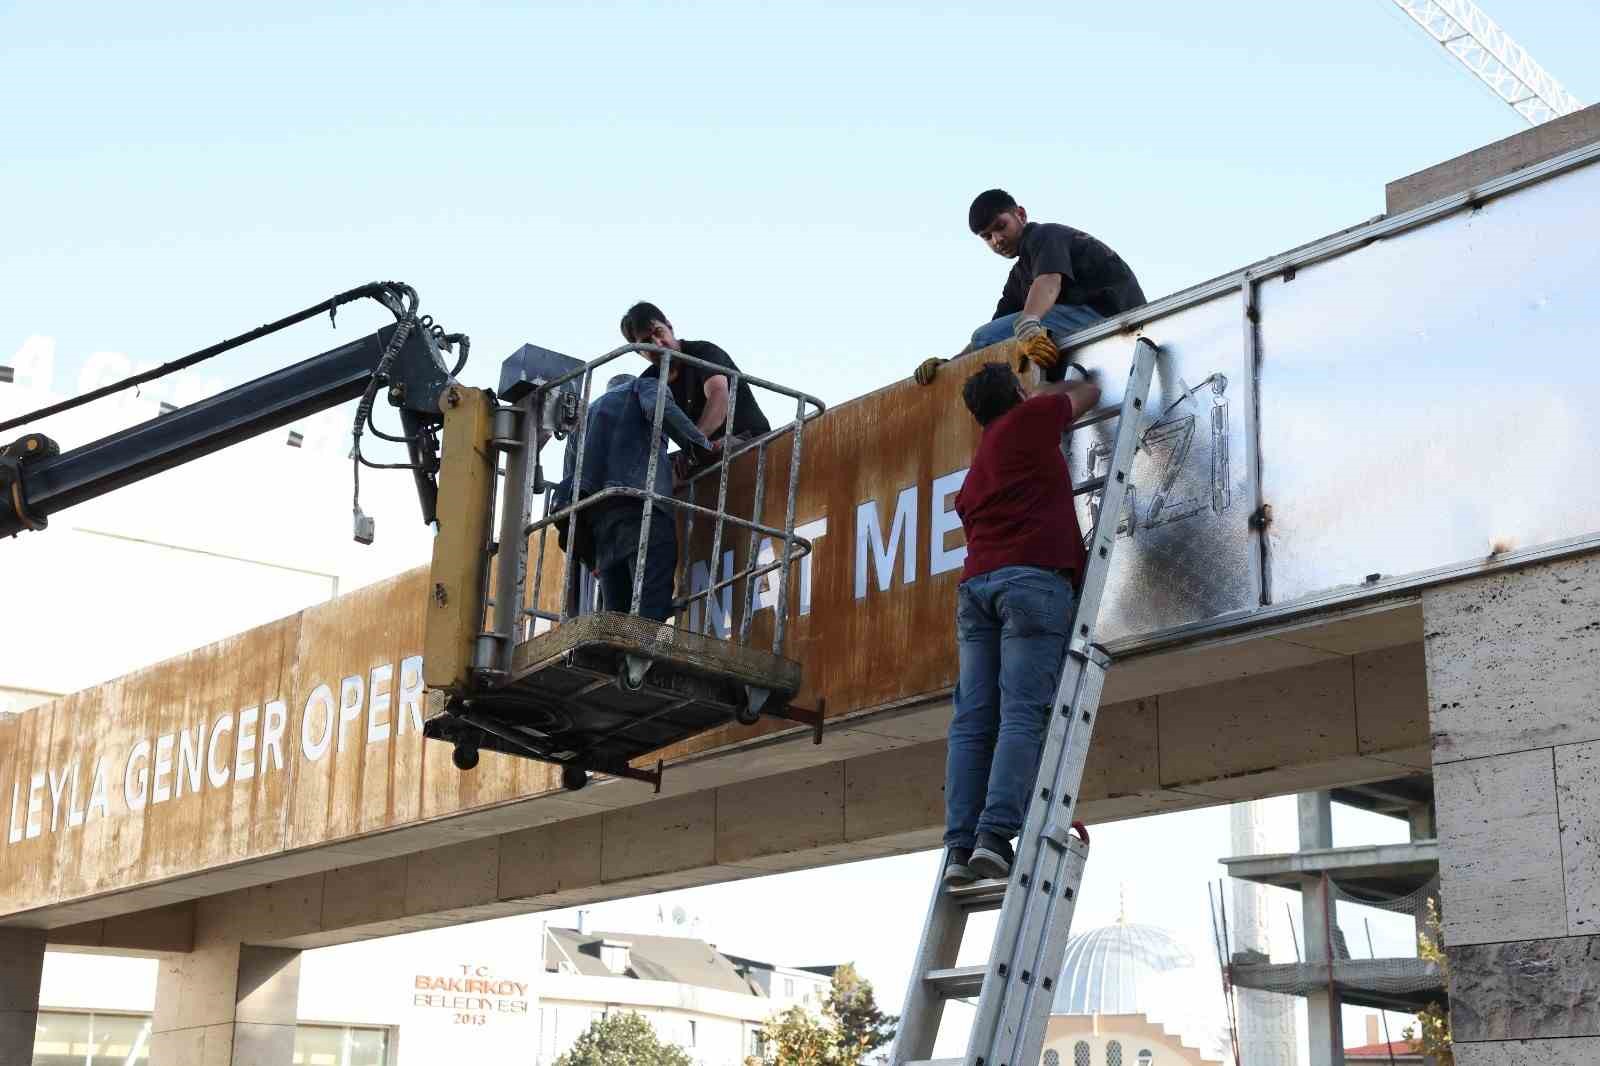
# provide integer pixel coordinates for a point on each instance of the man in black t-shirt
(703, 394)
(1064, 280)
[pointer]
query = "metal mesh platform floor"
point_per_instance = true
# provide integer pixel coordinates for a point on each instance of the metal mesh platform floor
(563, 701)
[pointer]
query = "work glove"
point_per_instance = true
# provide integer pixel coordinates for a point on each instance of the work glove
(1026, 327)
(1038, 349)
(927, 370)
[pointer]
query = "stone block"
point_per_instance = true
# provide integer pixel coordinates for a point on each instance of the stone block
(269, 985)
(1122, 754)
(798, 811)
(259, 1044)
(894, 792)
(196, 989)
(460, 875)
(550, 859)
(1525, 989)
(1500, 849)
(1582, 1051)
(1578, 798)
(1392, 699)
(363, 893)
(1511, 660)
(1268, 721)
(664, 837)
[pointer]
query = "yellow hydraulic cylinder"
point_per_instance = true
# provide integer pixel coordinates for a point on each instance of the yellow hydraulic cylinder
(457, 581)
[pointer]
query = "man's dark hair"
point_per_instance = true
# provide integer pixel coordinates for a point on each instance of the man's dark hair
(638, 320)
(987, 207)
(990, 392)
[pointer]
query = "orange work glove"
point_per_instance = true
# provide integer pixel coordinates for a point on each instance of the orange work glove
(1039, 350)
(927, 370)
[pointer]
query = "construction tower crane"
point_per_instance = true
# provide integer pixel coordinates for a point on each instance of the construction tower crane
(1493, 57)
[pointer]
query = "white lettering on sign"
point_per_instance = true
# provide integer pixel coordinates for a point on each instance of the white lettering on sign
(378, 703)
(35, 824)
(944, 521)
(272, 735)
(218, 775)
(719, 603)
(99, 797)
(244, 749)
(352, 690)
(320, 701)
(162, 785)
(74, 812)
(189, 749)
(13, 830)
(411, 690)
(136, 782)
(58, 792)
(812, 531)
(871, 544)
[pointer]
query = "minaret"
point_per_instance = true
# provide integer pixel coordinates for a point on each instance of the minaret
(1267, 1035)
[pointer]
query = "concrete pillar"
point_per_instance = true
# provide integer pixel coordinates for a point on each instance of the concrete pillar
(226, 1004)
(21, 965)
(1512, 677)
(1422, 821)
(1324, 1009)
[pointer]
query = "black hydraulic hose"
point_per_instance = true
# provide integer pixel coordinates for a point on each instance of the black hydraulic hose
(392, 294)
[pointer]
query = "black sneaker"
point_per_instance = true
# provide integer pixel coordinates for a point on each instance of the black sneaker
(992, 858)
(956, 870)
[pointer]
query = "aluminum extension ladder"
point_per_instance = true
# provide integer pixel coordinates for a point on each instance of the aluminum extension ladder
(1015, 989)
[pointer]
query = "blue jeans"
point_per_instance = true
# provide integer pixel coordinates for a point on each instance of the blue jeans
(1012, 626)
(1060, 320)
(616, 537)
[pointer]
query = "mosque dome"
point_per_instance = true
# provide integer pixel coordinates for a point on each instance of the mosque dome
(1121, 969)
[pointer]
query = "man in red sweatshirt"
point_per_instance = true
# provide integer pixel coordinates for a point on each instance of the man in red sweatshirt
(1014, 609)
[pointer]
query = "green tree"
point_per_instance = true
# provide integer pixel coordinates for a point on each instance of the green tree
(851, 1027)
(860, 1027)
(1433, 1020)
(622, 1040)
(798, 1038)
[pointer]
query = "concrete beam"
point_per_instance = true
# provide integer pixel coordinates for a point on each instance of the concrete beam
(159, 931)
(613, 840)
(1419, 858)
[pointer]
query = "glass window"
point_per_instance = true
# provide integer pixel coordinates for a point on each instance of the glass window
(120, 1038)
(1080, 1053)
(60, 1039)
(1052, 1058)
(368, 1047)
(1114, 1053)
(340, 1045)
(318, 1045)
(1146, 1057)
(788, 988)
(63, 1038)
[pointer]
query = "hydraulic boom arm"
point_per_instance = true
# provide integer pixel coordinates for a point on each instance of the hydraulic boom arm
(37, 479)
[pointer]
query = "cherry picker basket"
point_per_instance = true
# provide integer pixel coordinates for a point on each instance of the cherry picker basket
(547, 677)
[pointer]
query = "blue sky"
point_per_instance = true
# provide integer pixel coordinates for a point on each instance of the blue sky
(788, 180)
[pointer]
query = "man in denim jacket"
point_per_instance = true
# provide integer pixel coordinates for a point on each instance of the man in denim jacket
(616, 454)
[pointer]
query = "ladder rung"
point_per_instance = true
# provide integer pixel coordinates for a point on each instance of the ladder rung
(978, 895)
(958, 982)
(1104, 414)
(1094, 484)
